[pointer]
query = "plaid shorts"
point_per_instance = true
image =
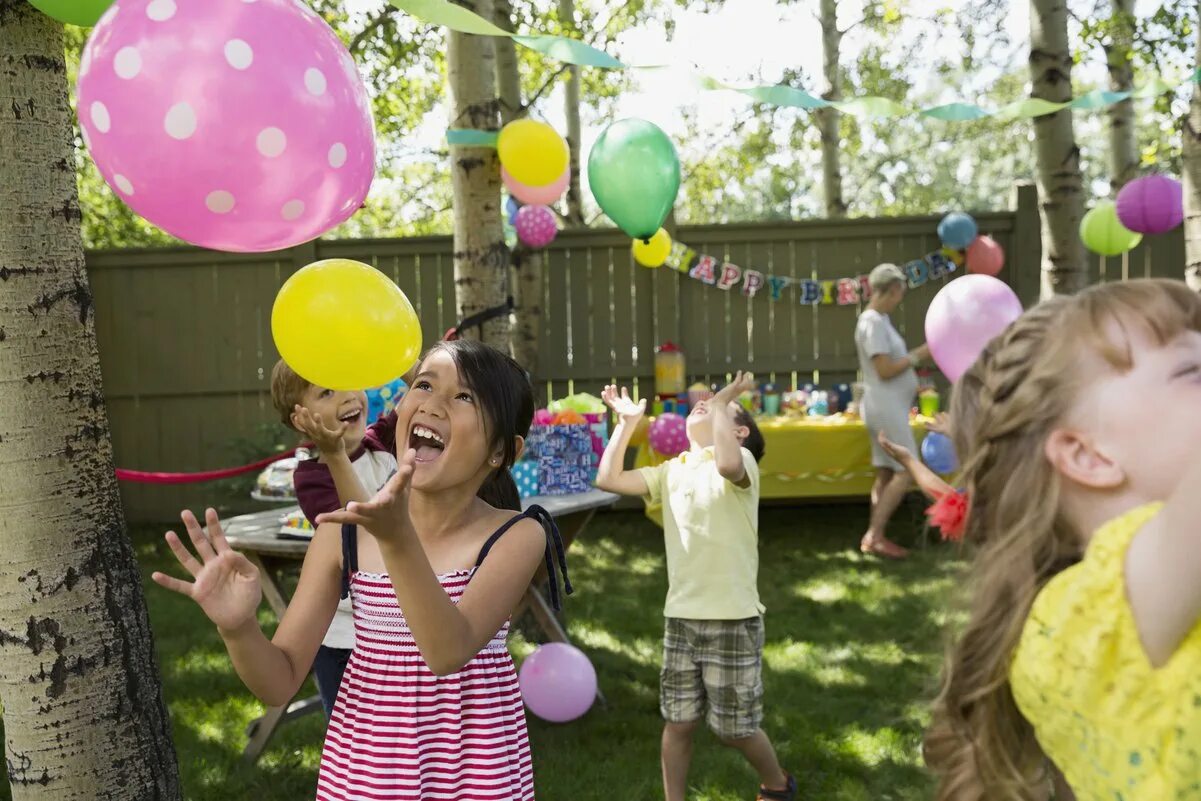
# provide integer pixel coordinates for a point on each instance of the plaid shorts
(714, 666)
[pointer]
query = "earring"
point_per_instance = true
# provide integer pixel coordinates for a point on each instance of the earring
(496, 462)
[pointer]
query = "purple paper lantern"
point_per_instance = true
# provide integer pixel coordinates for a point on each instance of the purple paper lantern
(1152, 204)
(536, 226)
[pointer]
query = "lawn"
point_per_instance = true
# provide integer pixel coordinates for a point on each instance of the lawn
(852, 653)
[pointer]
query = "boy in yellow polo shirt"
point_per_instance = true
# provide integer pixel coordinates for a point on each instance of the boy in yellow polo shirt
(713, 645)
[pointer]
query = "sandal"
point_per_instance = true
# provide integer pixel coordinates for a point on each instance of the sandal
(787, 794)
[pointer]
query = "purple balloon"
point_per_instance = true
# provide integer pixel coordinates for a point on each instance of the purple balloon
(964, 317)
(669, 434)
(1152, 204)
(237, 126)
(558, 683)
(536, 226)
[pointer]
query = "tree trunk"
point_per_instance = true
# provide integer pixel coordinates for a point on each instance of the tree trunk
(481, 256)
(1123, 144)
(1060, 184)
(525, 264)
(1191, 138)
(571, 110)
(829, 119)
(83, 711)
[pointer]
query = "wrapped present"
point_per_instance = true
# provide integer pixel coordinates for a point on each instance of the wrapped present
(566, 458)
(600, 434)
(525, 475)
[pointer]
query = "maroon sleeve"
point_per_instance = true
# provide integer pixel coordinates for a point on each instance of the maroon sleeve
(315, 490)
(381, 435)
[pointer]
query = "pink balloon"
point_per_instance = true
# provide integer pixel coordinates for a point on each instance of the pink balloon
(536, 226)
(1152, 204)
(985, 256)
(238, 125)
(668, 435)
(536, 195)
(558, 683)
(964, 317)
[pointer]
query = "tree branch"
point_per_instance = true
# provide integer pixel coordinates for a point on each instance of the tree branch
(554, 76)
(371, 28)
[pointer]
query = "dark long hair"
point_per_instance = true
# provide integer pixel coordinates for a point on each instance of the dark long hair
(506, 400)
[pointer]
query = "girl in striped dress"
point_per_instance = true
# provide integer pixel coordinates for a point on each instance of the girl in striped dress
(429, 707)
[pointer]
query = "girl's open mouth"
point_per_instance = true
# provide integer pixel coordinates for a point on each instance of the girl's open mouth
(428, 443)
(351, 417)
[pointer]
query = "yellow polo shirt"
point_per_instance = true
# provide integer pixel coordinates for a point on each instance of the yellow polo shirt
(711, 528)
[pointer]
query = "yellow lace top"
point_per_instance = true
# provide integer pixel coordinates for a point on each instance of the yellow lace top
(1118, 728)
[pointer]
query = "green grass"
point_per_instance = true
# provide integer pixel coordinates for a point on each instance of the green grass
(852, 652)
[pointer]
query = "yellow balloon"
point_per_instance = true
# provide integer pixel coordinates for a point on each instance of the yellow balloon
(341, 324)
(653, 252)
(532, 152)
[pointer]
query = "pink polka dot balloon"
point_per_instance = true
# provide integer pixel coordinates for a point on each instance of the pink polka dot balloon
(238, 125)
(669, 434)
(536, 226)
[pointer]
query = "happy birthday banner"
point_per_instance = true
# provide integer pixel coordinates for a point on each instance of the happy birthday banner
(573, 51)
(812, 292)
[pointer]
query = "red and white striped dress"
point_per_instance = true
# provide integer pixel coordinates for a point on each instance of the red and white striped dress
(399, 732)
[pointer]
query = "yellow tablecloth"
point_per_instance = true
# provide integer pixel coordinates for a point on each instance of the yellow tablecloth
(811, 457)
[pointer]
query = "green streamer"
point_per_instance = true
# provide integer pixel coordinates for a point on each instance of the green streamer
(573, 51)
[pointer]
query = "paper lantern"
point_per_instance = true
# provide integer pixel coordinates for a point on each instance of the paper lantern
(1152, 204)
(1102, 232)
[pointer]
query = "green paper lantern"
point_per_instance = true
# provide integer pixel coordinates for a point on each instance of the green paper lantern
(84, 13)
(634, 174)
(1102, 232)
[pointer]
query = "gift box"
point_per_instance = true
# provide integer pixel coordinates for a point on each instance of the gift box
(525, 475)
(565, 456)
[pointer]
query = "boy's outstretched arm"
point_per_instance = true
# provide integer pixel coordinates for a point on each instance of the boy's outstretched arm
(612, 475)
(727, 450)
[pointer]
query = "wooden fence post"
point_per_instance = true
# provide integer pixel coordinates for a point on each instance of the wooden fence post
(1026, 247)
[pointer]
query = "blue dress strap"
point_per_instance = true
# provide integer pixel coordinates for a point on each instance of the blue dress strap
(350, 556)
(554, 550)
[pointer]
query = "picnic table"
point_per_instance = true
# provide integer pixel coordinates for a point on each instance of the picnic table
(258, 537)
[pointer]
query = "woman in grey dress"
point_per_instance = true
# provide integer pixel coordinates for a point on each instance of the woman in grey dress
(890, 388)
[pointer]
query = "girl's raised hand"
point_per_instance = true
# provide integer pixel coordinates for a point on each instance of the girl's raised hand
(894, 450)
(627, 410)
(226, 584)
(386, 516)
(328, 440)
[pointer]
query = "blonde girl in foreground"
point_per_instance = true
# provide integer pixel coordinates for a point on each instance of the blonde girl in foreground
(1079, 430)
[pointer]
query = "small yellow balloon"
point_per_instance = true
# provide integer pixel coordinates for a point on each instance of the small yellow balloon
(532, 152)
(343, 325)
(653, 252)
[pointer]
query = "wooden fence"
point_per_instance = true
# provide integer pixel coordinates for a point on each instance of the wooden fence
(186, 350)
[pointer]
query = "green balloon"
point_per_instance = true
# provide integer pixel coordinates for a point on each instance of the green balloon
(634, 174)
(84, 13)
(1102, 232)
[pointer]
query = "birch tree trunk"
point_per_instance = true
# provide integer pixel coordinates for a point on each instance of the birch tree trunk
(829, 119)
(571, 110)
(525, 264)
(1060, 184)
(83, 711)
(1123, 143)
(481, 256)
(1191, 139)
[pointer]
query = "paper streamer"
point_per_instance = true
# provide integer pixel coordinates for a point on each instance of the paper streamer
(573, 51)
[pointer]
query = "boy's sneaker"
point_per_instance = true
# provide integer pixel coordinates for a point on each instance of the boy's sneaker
(787, 794)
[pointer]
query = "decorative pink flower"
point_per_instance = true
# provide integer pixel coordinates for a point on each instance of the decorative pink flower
(949, 515)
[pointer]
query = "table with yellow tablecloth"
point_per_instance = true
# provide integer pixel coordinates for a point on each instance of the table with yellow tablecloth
(808, 457)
